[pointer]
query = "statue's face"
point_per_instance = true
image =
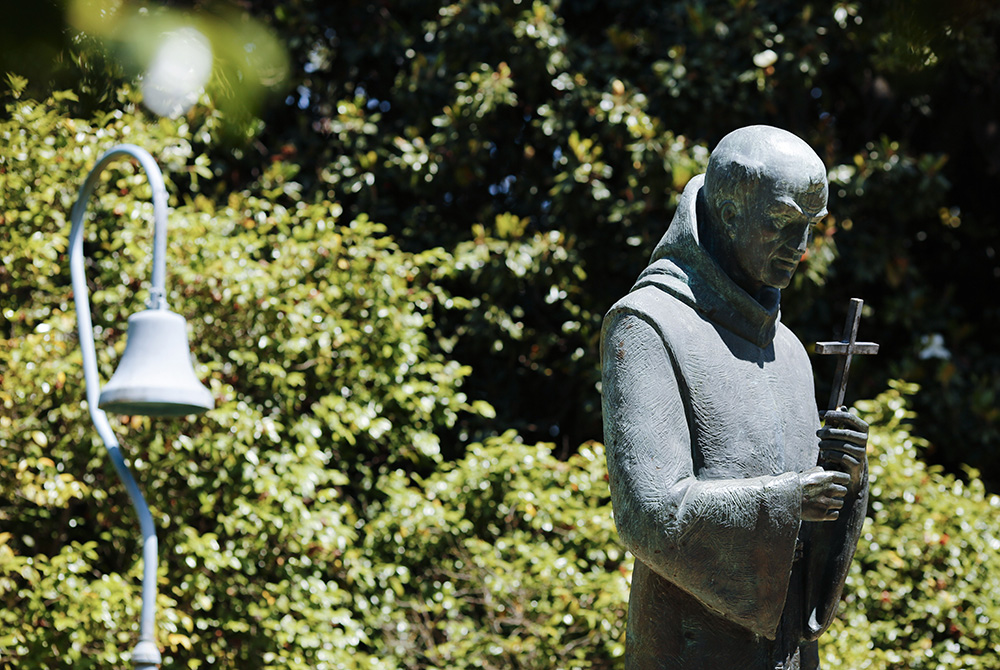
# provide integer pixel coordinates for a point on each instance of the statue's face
(771, 238)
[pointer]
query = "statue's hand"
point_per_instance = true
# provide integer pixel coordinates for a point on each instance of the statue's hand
(823, 494)
(843, 444)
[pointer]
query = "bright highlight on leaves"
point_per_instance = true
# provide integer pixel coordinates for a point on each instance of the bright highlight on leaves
(765, 58)
(179, 70)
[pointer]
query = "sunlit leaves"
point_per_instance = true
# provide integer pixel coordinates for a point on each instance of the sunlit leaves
(918, 592)
(312, 334)
(506, 558)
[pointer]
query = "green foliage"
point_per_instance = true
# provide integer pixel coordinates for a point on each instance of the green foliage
(920, 592)
(415, 254)
(313, 339)
(504, 559)
(584, 119)
(40, 622)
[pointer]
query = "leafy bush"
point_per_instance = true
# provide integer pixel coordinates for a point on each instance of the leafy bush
(313, 339)
(583, 119)
(521, 160)
(923, 585)
(505, 559)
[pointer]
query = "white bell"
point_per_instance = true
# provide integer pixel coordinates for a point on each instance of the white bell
(155, 376)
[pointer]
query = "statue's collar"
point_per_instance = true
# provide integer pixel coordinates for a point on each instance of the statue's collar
(681, 266)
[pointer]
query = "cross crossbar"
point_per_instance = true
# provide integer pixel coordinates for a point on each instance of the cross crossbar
(844, 349)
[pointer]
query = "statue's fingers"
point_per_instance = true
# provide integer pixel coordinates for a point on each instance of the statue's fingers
(844, 434)
(841, 479)
(829, 494)
(817, 511)
(839, 459)
(832, 503)
(856, 450)
(841, 418)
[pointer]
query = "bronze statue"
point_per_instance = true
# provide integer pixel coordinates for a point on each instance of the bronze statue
(742, 512)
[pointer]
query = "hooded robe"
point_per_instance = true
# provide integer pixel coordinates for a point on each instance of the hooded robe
(709, 417)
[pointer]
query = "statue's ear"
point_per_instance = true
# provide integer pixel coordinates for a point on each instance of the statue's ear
(728, 213)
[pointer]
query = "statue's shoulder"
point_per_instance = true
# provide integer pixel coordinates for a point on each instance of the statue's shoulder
(648, 302)
(665, 313)
(789, 345)
(659, 296)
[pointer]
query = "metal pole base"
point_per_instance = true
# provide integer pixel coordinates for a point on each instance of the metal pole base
(146, 655)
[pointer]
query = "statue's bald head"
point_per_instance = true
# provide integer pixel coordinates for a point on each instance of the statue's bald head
(750, 158)
(764, 189)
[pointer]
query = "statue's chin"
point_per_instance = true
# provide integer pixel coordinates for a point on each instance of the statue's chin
(781, 274)
(783, 283)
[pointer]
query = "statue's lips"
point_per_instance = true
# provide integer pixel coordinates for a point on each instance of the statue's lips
(786, 263)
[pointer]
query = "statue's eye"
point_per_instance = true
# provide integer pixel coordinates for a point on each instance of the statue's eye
(781, 219)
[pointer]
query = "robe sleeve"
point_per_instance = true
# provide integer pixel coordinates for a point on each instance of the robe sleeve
(729, 543)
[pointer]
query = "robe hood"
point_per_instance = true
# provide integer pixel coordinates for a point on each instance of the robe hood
(682, 267)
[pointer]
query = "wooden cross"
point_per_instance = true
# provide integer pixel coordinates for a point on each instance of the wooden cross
(846, 348)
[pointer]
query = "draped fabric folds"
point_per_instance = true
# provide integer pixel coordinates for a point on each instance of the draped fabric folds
(710, 416)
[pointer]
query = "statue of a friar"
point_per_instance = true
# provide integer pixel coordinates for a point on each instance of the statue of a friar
(743, 513)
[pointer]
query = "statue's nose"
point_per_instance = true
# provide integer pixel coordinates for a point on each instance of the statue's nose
(803, 242)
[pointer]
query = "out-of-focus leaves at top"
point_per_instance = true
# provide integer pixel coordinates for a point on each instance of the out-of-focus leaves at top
(217, 54)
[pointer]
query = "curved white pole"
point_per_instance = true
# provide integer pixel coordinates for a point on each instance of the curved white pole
(146, 655)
